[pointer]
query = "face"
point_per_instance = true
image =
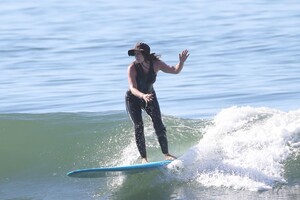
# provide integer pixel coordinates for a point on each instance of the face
(139, 56)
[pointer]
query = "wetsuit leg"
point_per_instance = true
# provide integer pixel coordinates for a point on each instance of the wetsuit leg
(153, 110)
(134, 109)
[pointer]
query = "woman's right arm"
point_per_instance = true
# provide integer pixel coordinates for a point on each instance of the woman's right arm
(133, 85)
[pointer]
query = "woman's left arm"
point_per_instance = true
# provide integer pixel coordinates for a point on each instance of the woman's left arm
(178, 67)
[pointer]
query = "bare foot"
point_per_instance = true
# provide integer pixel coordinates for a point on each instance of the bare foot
(169, 157)
(144, 160)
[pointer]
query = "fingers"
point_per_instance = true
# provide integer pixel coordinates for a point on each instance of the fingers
(184, 55)
(185, 52)
(148, 97)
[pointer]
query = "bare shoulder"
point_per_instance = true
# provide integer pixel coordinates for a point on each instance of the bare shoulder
(131, 70)
(131, 67)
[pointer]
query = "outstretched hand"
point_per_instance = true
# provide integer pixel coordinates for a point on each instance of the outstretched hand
(183, 56)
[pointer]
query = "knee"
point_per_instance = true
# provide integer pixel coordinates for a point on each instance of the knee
(161, 131)
(139, 126)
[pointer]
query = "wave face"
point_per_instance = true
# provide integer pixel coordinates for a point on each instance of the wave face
(242, 148)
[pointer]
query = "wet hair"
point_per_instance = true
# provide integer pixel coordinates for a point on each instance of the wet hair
(151, 57)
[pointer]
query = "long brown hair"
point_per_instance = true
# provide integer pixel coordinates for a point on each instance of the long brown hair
(151, 57)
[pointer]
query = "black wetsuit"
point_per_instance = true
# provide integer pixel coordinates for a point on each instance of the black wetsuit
(135, 105)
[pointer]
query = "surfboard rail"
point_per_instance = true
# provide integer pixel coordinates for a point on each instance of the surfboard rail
(117, 170)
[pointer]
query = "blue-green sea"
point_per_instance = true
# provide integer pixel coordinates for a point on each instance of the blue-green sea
(232, 115)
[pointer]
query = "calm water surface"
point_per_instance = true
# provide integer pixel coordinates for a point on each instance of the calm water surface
(72, 56)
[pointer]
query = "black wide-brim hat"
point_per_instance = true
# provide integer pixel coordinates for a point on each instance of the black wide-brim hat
(140, 46)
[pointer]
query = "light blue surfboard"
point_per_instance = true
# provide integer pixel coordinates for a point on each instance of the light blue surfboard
(117, 170)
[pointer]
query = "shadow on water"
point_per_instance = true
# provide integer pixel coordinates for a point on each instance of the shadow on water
(150, 185)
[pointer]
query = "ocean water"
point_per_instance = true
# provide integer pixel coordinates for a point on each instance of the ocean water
(232, 114)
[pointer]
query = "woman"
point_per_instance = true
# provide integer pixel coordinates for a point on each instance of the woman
(141, 95)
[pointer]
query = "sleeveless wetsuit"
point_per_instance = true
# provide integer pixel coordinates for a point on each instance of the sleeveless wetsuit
(134, 106)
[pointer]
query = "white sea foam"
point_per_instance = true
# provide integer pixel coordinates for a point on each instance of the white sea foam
(245, 148)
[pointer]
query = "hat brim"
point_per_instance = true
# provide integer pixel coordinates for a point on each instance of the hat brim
(131, 51)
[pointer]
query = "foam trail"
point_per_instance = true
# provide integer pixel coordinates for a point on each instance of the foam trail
(245, 148)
